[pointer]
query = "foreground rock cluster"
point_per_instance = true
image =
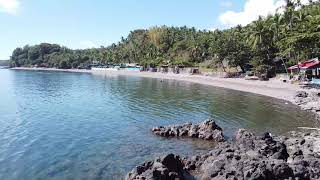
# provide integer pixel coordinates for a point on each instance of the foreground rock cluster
(247, 156)
(207, 130)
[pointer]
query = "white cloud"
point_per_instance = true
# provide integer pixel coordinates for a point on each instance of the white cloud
(9, 6)
(88, 44)
(251, 11)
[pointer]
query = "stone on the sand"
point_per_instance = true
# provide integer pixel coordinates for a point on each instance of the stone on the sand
(301, 94)
(207, 130)
(309, 101)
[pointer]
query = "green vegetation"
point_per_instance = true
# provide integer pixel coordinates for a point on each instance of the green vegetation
(292, 36)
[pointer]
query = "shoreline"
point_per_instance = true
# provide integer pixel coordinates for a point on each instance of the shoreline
(284, 90)
(273, 88)
(52, 69)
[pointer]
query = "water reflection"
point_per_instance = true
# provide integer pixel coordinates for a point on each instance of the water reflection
(80, 126)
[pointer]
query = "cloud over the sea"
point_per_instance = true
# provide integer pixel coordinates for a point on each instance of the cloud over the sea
(251, 11)
(9, 6)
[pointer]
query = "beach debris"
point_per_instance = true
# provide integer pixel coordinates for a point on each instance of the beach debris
(207, 130)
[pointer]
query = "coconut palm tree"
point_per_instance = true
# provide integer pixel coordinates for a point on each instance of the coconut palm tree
(276, 26)
(256, 33)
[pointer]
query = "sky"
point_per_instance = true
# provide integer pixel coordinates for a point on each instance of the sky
(80, 24)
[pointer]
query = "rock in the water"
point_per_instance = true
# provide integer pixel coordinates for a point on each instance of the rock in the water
(262, 157)
(169, 167)
(207, 130)
(246, 157)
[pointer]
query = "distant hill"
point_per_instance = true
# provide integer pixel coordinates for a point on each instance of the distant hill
(4, 62)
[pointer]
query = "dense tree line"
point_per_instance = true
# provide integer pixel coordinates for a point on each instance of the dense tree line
(291, 36)
(52, 55)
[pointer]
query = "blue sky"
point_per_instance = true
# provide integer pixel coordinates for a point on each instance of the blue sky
(84, 23)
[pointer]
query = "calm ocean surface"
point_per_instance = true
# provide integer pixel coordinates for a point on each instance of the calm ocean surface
(56, 125)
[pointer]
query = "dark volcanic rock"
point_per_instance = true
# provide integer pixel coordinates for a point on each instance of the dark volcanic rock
(169, 167)
(207, 130)
(246, 157)
(262, 157)
(302, 94)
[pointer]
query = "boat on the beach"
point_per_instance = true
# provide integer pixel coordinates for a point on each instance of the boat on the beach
(106, 68)
(117, 68)
(251, 77)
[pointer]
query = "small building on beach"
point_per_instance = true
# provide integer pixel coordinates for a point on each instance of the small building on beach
(309, 68)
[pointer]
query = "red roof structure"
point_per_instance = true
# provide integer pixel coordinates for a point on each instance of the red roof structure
(306, 65)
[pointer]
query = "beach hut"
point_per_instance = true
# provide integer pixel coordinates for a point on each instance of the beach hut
(309, 68)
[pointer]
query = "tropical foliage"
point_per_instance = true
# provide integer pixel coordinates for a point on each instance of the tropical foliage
(293, 35)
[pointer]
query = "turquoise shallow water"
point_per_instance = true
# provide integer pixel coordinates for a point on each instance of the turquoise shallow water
(56, 125)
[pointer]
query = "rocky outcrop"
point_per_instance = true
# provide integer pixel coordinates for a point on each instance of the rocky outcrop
(247, 156)
(169, 167)
(261, 157)
(207, 130)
